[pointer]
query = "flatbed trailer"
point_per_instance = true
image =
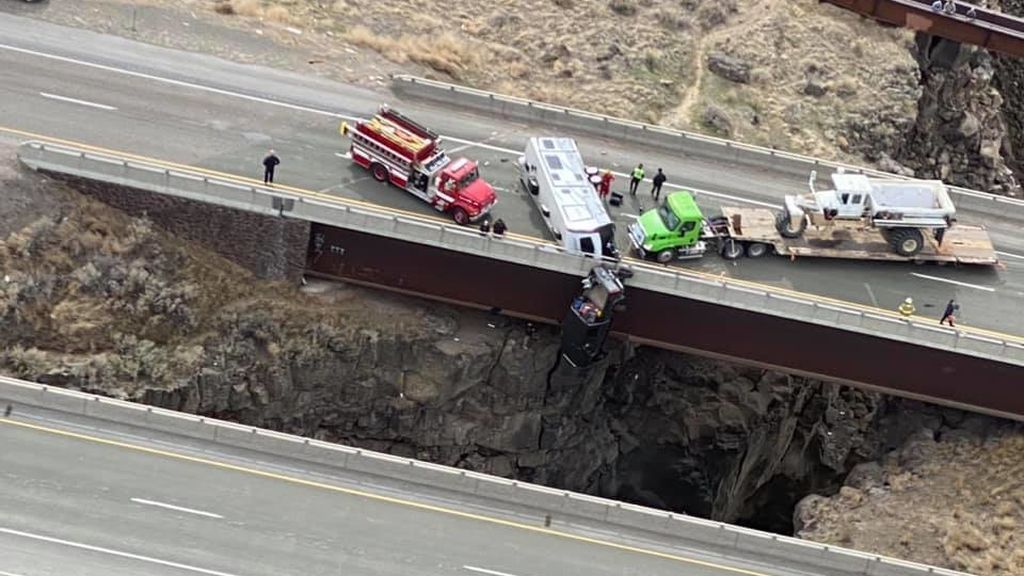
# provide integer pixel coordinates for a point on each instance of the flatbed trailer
(754, 232)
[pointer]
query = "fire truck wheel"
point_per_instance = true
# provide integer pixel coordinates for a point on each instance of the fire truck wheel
(757, 249)
(460, 216)
(731, 249)
(666, 256)
(380, 172)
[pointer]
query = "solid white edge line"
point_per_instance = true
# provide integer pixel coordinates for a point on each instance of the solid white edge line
(76, 101)
(486, 571)
(176, 508)
(1010, 254)
(964, 284)
(3, 573)
(111, 552)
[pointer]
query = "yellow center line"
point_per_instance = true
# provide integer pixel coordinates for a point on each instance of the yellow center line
(530, 239)
(380, 498)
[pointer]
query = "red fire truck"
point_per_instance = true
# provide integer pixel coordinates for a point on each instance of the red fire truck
(398, 150)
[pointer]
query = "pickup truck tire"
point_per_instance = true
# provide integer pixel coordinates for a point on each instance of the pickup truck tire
(731, 249)
(757, 249)
(379, 172)
(665, 256)
(906, 242)
(460, 216)
(785, 228)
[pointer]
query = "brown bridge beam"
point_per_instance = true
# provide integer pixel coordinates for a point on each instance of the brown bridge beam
(989, 29)
(664, 321)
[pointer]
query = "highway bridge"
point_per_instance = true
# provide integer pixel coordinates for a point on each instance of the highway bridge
(989, 29)
(220, 118)
(92, 486)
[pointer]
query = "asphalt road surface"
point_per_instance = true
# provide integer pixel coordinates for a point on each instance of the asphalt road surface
(198, 110)
(92, 498)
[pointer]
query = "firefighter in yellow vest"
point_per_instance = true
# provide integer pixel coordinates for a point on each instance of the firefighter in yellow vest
(635, 178)
(907, 309)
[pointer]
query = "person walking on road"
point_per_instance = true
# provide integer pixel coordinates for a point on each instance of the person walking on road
(269, 163)
(635, 178)
(950, 313)
(606, 184)
(659, 179)
(907, 309)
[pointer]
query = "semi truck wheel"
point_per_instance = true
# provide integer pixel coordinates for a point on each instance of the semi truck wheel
(665, 256)
(460, 216)
(731, 249)
(906, 242)
(784, 224)
(379, 172)
(756, 249)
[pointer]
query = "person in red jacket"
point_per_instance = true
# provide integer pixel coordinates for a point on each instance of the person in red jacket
(606, 184)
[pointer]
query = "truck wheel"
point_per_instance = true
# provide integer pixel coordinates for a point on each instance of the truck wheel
(731, 249)
(379, 172)
(666, 256)
(757, 249)
(784, 224)
(906, 242)
(460, 216)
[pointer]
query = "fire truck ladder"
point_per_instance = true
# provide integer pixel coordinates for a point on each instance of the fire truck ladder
(408, 123)
(396, 134)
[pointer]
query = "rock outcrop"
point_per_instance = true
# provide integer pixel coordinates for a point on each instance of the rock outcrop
(950, 496)
(959, 134)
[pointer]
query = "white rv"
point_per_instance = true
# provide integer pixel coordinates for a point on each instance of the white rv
(554, 176)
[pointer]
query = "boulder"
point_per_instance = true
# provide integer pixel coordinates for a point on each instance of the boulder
(729, 67)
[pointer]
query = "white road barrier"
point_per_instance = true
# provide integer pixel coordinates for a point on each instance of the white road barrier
(677, 282)
(561, 504)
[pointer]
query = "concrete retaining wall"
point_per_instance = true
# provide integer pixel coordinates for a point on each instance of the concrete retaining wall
(270, 247)
(789, 552)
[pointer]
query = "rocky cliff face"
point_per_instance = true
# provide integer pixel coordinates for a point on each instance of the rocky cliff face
(1009, 78)
(959, 134)
(952, 496)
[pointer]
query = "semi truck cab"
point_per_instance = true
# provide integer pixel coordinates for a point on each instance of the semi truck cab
(670, 231)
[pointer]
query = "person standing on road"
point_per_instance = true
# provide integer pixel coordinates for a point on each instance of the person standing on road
(635, 178)
(659, 179)
(499, 227)
(606, 184)
(907, 309)
(269, 163)
(950, 313)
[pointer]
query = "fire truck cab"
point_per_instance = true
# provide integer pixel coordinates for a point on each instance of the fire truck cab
(398, 150)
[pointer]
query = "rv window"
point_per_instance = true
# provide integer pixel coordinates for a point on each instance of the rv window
(553, 162)
(844, 198)
(856, 198)
(586, 245)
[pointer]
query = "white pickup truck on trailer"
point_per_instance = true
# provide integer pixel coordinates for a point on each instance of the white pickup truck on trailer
(902, 211)
(554, 176)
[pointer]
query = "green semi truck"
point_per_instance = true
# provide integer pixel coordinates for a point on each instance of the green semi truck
(829, 224)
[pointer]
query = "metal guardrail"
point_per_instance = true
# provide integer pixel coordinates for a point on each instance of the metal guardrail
(704, 533)
(676, 140)
(538, 253)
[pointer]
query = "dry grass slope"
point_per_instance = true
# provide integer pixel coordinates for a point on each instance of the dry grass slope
(647, 59)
